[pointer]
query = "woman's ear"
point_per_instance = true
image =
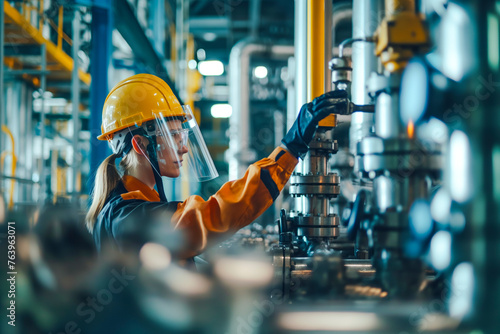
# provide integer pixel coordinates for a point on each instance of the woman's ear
(139, 145)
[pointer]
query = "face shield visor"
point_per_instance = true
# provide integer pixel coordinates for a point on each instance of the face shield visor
(179, 140)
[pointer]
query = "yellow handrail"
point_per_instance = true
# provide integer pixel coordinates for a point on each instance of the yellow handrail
(27, 8)
(14, 162)
(60, 36)
(40, 20)
(60, 27)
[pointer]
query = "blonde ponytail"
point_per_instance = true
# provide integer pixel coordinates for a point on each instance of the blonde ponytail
(106, 179)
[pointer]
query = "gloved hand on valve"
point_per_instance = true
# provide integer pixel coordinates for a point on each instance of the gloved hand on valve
(302, 131)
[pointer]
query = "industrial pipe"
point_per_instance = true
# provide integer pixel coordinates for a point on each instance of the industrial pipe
(300, 53)
(240, 155)
(365, 20)
(43, 87)
(341, 14)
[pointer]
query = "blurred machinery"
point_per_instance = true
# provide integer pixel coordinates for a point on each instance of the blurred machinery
(394, 245)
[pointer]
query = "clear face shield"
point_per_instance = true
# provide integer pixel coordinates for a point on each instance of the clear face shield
(179, 140)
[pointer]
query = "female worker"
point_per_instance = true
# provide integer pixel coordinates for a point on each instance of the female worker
(152, 133)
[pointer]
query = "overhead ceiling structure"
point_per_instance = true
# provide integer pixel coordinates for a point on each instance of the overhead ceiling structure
(218, 25)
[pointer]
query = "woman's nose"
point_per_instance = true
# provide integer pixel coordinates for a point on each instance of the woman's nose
(182, 149)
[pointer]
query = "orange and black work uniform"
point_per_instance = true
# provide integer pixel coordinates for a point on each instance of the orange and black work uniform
(128, 211)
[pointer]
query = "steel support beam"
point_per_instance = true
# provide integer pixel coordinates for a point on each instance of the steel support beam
(102, 27)
(43, 88)
(75, 102)
(20, 49)
(128, 26)
(157, 25)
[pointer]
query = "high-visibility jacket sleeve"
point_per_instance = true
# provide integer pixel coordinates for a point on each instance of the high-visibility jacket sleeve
(236, 204)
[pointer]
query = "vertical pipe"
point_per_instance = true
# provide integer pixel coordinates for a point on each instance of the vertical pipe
(255, 17)
(291, 93)
(29, 158)
(366, 17)
(319, 45)
(387, 121)
(300, 65)
(43, 87)
(75, 98)
(300, 53)
(22, 140)
(300, 42)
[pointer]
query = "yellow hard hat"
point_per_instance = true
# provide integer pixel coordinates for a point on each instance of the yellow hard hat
(136, 100)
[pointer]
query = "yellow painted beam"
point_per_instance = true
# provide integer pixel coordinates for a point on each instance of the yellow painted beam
(52, 50)
(316, 55)
(60, 28)
(315, 48)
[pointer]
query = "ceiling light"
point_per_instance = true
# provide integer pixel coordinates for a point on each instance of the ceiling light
(192, 64)
(209, 36)
(211, 68)
(260, 72)
(221, 110)
(201, 54)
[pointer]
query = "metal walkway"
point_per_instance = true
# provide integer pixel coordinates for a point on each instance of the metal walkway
(23, 41)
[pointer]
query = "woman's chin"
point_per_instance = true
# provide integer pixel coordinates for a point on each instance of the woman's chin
(172, 173)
